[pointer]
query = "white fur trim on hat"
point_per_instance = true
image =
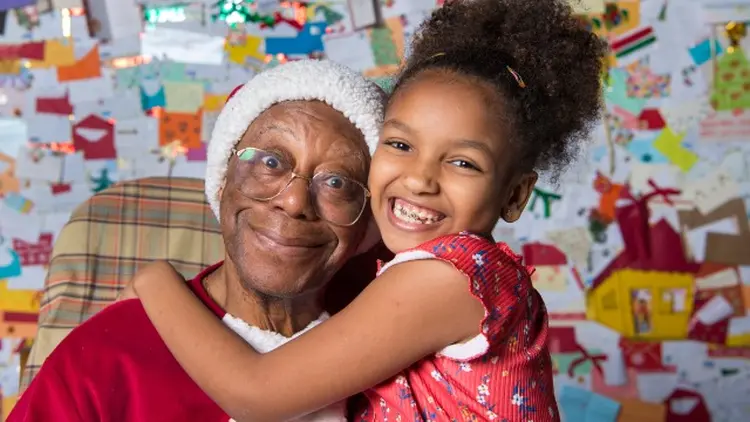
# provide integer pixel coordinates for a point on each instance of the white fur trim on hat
(347, 91)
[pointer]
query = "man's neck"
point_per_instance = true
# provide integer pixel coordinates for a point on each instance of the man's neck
(283, 316)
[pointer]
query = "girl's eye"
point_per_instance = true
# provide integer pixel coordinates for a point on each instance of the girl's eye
(465, 165)
(401, 146)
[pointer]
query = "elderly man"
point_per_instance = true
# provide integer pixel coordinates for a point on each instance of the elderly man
(286, 177)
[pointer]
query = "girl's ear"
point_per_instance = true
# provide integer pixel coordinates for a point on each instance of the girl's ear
(519, 196)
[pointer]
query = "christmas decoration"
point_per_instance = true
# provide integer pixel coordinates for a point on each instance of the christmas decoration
(383, 48)
(732, 77)
(102, 182)
(164, 14)
(234, 12)
(331, 16)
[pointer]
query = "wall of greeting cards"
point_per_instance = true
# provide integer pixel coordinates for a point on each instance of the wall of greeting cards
(642, 250)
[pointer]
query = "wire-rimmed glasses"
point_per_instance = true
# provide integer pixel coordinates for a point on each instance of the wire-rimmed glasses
(336, 199)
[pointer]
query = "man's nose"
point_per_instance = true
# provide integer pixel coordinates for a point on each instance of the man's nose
(421, 178)
(295, 200)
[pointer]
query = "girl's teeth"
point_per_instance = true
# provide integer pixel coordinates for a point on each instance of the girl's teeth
(410, 214)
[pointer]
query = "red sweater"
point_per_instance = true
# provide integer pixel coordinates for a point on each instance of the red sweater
(115, 367)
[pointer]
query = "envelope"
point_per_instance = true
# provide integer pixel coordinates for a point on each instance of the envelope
(726, 249)
(95, 137)
(55, 52)
(716, 333)
(686, 406)
(562, 340)
(643, 356)
(87, 67)
(53, 105)
(651, 119)
(715, 280)
(539, 254)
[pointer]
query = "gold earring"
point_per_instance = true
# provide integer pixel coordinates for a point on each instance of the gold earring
(508, 215)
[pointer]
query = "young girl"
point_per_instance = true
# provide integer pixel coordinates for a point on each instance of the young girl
(451, 329)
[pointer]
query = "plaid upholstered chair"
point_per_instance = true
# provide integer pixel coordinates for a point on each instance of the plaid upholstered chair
(129, 225)
(105, 242)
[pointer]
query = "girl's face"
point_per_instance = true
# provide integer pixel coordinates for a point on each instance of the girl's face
(443, 165)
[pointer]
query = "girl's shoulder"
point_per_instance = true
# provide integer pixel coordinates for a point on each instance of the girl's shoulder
(467, 252)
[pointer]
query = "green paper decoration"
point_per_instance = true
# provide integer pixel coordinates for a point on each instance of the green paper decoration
(732, 83)
(235, 11)
(547, 198)
(164, 14)
(331, 16)
(102, 182)
(383, 48)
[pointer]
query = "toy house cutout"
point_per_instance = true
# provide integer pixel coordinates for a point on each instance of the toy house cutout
(647, 291)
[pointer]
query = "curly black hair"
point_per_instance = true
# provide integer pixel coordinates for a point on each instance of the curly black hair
(559, 61)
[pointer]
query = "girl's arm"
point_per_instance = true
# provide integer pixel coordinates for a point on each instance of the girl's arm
(413, 310)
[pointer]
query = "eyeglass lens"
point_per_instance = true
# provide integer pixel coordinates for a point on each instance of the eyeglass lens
(336, 199)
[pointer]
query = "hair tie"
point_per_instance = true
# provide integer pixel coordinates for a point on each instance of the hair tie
(513, 73)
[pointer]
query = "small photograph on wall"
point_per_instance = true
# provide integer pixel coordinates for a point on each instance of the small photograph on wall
(640, 300)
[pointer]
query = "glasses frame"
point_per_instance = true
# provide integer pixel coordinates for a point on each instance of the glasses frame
(294, 175)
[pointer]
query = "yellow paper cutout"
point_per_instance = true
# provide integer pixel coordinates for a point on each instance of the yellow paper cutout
(16, 300)
(239, 53)
(183, 97)
(587, 6)
(669, 145)
(629, 12)
(214, 102)
(7, 404)
(612, 304)
(57, 52)
(10, 67)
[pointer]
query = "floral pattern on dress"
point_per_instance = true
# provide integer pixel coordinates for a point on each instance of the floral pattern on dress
(510, 380)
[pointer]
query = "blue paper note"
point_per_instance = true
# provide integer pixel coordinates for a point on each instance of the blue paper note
(15, 4)
(616, 93)
(643, 150)
(701, 53)
(10, 264)
(150, 101)
(573, 403)
(308, 40)
(601, 409)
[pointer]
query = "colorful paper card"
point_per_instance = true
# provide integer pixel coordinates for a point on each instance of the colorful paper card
(183, 97)
(87, 67)
(184, 128)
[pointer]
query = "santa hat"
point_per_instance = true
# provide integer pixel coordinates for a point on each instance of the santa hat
(357, 98)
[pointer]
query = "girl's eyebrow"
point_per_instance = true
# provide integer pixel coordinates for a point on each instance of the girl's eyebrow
(398, 124)
(469, 143)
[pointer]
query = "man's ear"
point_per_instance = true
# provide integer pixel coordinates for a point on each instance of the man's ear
(220, 193)
(519, 197)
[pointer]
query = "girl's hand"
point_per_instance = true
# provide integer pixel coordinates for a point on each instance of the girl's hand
(148, 274)
(127, 293)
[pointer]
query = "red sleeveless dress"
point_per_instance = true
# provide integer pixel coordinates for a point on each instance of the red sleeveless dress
(503, 374)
